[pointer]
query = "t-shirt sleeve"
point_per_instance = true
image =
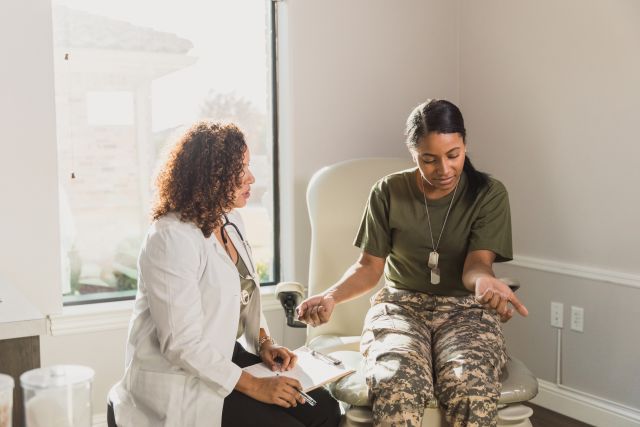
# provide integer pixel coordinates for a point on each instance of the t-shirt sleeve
(491, 230)
(374, 236)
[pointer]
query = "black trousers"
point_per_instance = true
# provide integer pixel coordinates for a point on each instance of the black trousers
(240, 410)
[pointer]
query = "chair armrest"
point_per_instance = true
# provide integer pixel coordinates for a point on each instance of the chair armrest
(518, 383)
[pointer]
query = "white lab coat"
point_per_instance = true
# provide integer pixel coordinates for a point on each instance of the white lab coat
(178, 366)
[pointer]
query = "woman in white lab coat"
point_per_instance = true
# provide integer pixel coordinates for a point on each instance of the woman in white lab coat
(197, 294)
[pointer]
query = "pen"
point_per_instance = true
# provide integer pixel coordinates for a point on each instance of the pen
(331, 359)
(310, 400)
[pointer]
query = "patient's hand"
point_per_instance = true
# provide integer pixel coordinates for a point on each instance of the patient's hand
(496, 295)
(316, 310)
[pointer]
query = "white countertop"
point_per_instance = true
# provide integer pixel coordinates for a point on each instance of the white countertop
(18, 317)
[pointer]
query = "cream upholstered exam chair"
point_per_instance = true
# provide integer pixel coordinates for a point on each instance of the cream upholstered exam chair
(336, 197)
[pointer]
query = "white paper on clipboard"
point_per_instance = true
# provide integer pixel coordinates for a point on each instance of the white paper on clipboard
(312, 371)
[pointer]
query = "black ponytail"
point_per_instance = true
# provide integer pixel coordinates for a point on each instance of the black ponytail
(477, 180)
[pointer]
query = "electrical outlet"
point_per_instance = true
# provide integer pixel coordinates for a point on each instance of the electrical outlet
(577, 319)
(557, 309)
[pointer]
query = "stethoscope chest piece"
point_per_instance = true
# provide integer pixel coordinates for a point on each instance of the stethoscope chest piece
(244, 297)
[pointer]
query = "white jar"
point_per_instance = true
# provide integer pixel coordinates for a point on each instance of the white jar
(6, 400)
(57, 396)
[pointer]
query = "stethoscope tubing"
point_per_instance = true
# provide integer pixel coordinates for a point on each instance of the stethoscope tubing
(245, 244)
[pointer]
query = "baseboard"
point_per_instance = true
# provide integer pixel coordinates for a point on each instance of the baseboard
(585, 407)
(99, 420)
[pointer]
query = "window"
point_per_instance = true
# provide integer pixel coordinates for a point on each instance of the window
(129, 77)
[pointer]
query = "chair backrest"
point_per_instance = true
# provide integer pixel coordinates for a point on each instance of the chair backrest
(336, 198)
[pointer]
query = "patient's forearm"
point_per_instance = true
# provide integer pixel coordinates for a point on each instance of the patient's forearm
(357, 280)
(478, 264)
(475, 272)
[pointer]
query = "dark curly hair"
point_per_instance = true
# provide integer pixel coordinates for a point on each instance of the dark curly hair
(201, 174)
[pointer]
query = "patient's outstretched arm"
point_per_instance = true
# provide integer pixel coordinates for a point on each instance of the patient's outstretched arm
(357, 280)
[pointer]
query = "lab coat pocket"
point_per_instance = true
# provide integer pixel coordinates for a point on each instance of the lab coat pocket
(160, 393)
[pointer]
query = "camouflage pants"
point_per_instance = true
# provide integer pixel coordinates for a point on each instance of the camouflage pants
(419, 346)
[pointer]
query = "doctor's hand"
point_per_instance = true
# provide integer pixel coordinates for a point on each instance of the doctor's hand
(279, 390)
(277, 358)
(316, 310)
(494, 294)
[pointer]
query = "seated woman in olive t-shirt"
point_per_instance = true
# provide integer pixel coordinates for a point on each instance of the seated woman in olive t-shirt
(435, 231)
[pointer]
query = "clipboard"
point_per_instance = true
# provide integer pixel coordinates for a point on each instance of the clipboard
(312, 370)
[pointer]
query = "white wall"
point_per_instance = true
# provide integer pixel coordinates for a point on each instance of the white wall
(350, 73)
(551, 96)
(29, 236)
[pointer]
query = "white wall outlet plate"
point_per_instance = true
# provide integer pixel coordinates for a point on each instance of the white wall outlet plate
(577, 319)
(557, 309)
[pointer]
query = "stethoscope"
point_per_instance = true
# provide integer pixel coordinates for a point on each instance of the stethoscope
(244, 295)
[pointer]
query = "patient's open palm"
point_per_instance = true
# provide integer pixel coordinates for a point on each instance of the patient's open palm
(496, 295)
(316, 310)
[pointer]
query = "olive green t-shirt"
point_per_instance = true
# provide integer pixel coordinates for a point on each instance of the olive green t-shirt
(395, 226)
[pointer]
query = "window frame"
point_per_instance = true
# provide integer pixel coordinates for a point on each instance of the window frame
(107, 297)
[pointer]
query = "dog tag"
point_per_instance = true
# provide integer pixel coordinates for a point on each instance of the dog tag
(433, 259)
(435, 276)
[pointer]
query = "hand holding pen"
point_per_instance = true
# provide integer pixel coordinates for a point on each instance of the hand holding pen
(278, 390)
(308, 399)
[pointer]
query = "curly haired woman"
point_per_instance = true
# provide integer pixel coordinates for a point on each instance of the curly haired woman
(197, 294)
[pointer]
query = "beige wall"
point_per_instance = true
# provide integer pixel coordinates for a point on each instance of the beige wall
(602, 361)
(551, 95)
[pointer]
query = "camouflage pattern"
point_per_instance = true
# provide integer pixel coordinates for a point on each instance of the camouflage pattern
(418, 347)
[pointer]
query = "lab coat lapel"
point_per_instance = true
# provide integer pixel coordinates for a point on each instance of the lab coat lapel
(221, 252)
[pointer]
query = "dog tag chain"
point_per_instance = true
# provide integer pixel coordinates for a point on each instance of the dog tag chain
(434, 256)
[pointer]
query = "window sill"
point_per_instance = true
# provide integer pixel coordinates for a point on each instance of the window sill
(107, 316)
(80, 319)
